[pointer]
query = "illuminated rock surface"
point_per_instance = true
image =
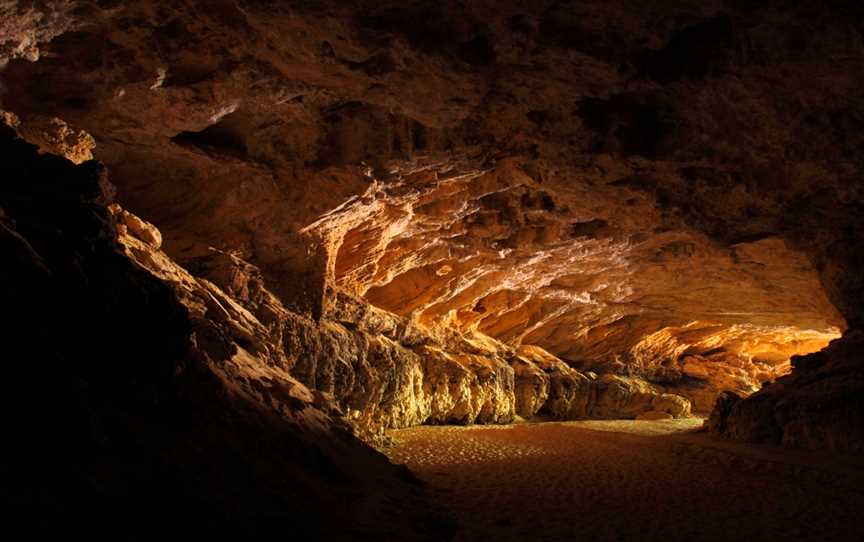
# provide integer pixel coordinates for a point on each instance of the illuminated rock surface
(498, 178)
(388, 213)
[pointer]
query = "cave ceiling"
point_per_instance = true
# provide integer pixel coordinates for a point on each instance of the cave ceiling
(614, 182)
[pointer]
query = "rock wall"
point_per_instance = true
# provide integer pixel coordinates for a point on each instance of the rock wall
(138, 406)
(667, 195)
(818, 406)
(548, 386)
(371, 366)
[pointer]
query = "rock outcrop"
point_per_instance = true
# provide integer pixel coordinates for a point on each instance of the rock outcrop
(547, 385)
(136, 390)
(360, 362)
(818, 406)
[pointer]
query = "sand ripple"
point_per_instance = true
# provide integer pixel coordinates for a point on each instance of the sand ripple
(628, 480)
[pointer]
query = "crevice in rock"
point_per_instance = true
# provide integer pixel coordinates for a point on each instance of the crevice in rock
(701, 50)
(222, 137)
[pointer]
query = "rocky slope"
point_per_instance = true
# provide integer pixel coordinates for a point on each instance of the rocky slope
(450, 211)
(132, 393)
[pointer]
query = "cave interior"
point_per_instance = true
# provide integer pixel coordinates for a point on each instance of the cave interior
(259, 256)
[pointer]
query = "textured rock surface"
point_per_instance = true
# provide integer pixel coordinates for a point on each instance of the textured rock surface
(547, 385)
(136, 392)
(818, 406)
(23, 25)
(666, 195)
(54, 136)
(357, 359)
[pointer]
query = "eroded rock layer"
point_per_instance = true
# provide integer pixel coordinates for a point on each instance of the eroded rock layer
(373, 367)
(441, 212)
(494, 253)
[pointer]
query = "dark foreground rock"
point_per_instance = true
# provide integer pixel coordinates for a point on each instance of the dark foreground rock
(128, 417)
(819, 406)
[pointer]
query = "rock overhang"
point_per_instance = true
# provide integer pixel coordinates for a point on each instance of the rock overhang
(630, 189)
(604, 282)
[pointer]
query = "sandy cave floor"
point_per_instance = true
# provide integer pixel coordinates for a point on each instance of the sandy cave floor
(630, 480)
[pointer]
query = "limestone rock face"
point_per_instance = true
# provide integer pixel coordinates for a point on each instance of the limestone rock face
(567, 392)
(621, 397)
(55, 136)
(129, 224)
(704, 379)
(397, 199)
(362, 361)
(720, 413)
(25, 26)
(139, 390)
(817, 406)
(365, 372)
(469, 388)
(546, 384)
(531, 387)
(520, 185)
(368, 365)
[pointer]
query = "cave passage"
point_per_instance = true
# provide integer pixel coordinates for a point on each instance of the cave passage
(591, 269)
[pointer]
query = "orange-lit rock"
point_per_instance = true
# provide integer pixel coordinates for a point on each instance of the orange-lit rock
(55, 136)
(602, 297)
(134, 226)
(674, 211)
(818, 406)
(365, 363)
(568, 394)
(467, 388)
(621, 397)
(546, 384)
